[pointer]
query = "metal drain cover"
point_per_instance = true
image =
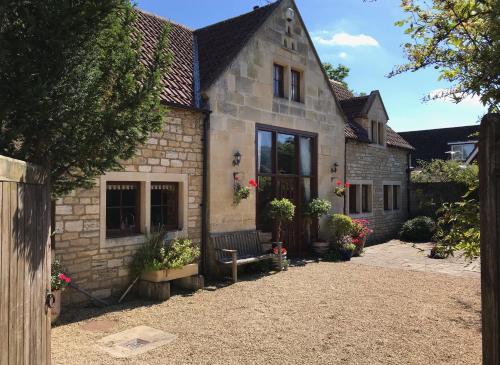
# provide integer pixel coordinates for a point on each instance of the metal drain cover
(134, 341)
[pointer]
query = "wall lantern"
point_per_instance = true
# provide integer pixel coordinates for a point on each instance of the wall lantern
(334, 167)
(237, 158)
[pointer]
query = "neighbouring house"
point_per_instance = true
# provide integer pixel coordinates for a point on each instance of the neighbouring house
(457, 143)
(248, 99)
(377, 161)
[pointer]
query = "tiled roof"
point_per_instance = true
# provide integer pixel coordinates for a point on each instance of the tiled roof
(433, 143)
(178, 81)
(357, 107)
(341, 92)
(220, 43)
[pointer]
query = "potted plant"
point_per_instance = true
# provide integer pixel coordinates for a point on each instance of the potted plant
(158, 261)
(281, 211)
(241, 192)
(346, 248)
(317, 208)
(360, 233)
(58, 282)
(341, 188)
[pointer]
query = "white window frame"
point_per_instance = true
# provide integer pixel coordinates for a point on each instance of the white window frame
(145, 179)
(357, 184)
(461, 146)
(391, 185)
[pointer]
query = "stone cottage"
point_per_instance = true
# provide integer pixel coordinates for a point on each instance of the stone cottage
(248, 99)
(377, 164)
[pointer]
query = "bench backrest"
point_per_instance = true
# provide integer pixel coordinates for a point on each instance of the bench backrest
(247, 243)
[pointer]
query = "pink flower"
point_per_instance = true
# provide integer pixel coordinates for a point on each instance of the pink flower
(339, 183)
(253, 183)
(64, 278)
(347, 184)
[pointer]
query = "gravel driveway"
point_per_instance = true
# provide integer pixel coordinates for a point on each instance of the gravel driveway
(321, 313)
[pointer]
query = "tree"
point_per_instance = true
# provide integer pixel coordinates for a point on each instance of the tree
(461, 39)
(75, 97)
(338, 73)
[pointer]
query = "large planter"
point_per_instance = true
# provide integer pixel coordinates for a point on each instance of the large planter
(55, 310)
(170, 274)
(359, 248)
(320, 247)
(345, 255)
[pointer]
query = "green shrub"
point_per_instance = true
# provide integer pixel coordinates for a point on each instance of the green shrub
(281, 211)
(155, 254)
(319, 207)
(419, 229)
(340, 225)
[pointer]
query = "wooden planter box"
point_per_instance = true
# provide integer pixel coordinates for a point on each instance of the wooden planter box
(170, 274)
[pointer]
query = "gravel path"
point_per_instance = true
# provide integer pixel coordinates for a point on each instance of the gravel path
(323, 313)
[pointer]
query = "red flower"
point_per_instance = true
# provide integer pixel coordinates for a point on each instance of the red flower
(64, 278)
(253, 183)
(283, 251)
(339, 183)
(347, 184)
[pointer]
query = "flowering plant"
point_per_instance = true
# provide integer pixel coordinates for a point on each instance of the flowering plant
(361, 231)
(58, 280)
(283, 251)
(242, 192)
(341, 188)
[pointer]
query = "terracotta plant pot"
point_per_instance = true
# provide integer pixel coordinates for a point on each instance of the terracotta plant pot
(320, 247)
(55, 311)
(170, 274)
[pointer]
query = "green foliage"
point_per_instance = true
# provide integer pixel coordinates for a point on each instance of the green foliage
(75, 97)
(155, 254)
(281, 211)
(340, 225)
(419, 229)
(240, 193)
(319, 207)
(339, 73)
(446, 171)
(458, 226)
(460, 39)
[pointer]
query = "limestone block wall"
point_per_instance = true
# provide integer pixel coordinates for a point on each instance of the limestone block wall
(100, 265)
(243, 97)
(366, 162)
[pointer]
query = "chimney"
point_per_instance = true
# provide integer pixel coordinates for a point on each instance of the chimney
(256, 7)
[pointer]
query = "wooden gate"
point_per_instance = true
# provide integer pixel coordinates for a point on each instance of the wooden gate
(24, 264)
(489, 185)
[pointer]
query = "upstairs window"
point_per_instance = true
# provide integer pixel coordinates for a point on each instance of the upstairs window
(278, 81)
(377, 135)
(295, 86)
(460, 152)
(122, 209)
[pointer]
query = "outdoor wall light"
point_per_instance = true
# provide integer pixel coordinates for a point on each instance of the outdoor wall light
(237, 158)
(334, 167)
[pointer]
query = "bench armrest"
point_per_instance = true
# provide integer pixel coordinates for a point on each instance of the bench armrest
(227, 251)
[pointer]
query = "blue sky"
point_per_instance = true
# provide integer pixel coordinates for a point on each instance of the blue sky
(360, 35)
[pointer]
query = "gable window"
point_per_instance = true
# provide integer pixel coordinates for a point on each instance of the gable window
(392, 196)
(377, 135)
(295, 85)
(360, 197)
(122, 209)
(164, 206)
(278, 81)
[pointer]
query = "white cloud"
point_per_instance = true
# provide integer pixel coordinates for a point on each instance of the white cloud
(343, 55)
(468, 100)
(345, 39)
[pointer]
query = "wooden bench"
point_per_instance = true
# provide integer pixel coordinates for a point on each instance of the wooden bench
(239, 248)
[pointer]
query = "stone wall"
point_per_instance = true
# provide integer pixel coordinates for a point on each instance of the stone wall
(366, 162)
(243, 97)
(100, 265)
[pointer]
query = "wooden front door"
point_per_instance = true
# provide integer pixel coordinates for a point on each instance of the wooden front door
(286, 165)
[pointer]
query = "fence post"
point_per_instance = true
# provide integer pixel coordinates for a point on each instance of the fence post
(489, 185)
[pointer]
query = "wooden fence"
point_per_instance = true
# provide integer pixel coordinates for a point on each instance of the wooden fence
(24, 264)
(489, 182)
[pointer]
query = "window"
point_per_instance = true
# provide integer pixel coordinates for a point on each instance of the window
(122, 209)
(377, 135)
(164, 206)
(278, 80)
(360, 197)
(295, 85)
(287, 156)
(392, 196)
(460, 152)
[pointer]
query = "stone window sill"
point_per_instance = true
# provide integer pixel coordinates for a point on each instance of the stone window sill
(361, 215)
(139, 239)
